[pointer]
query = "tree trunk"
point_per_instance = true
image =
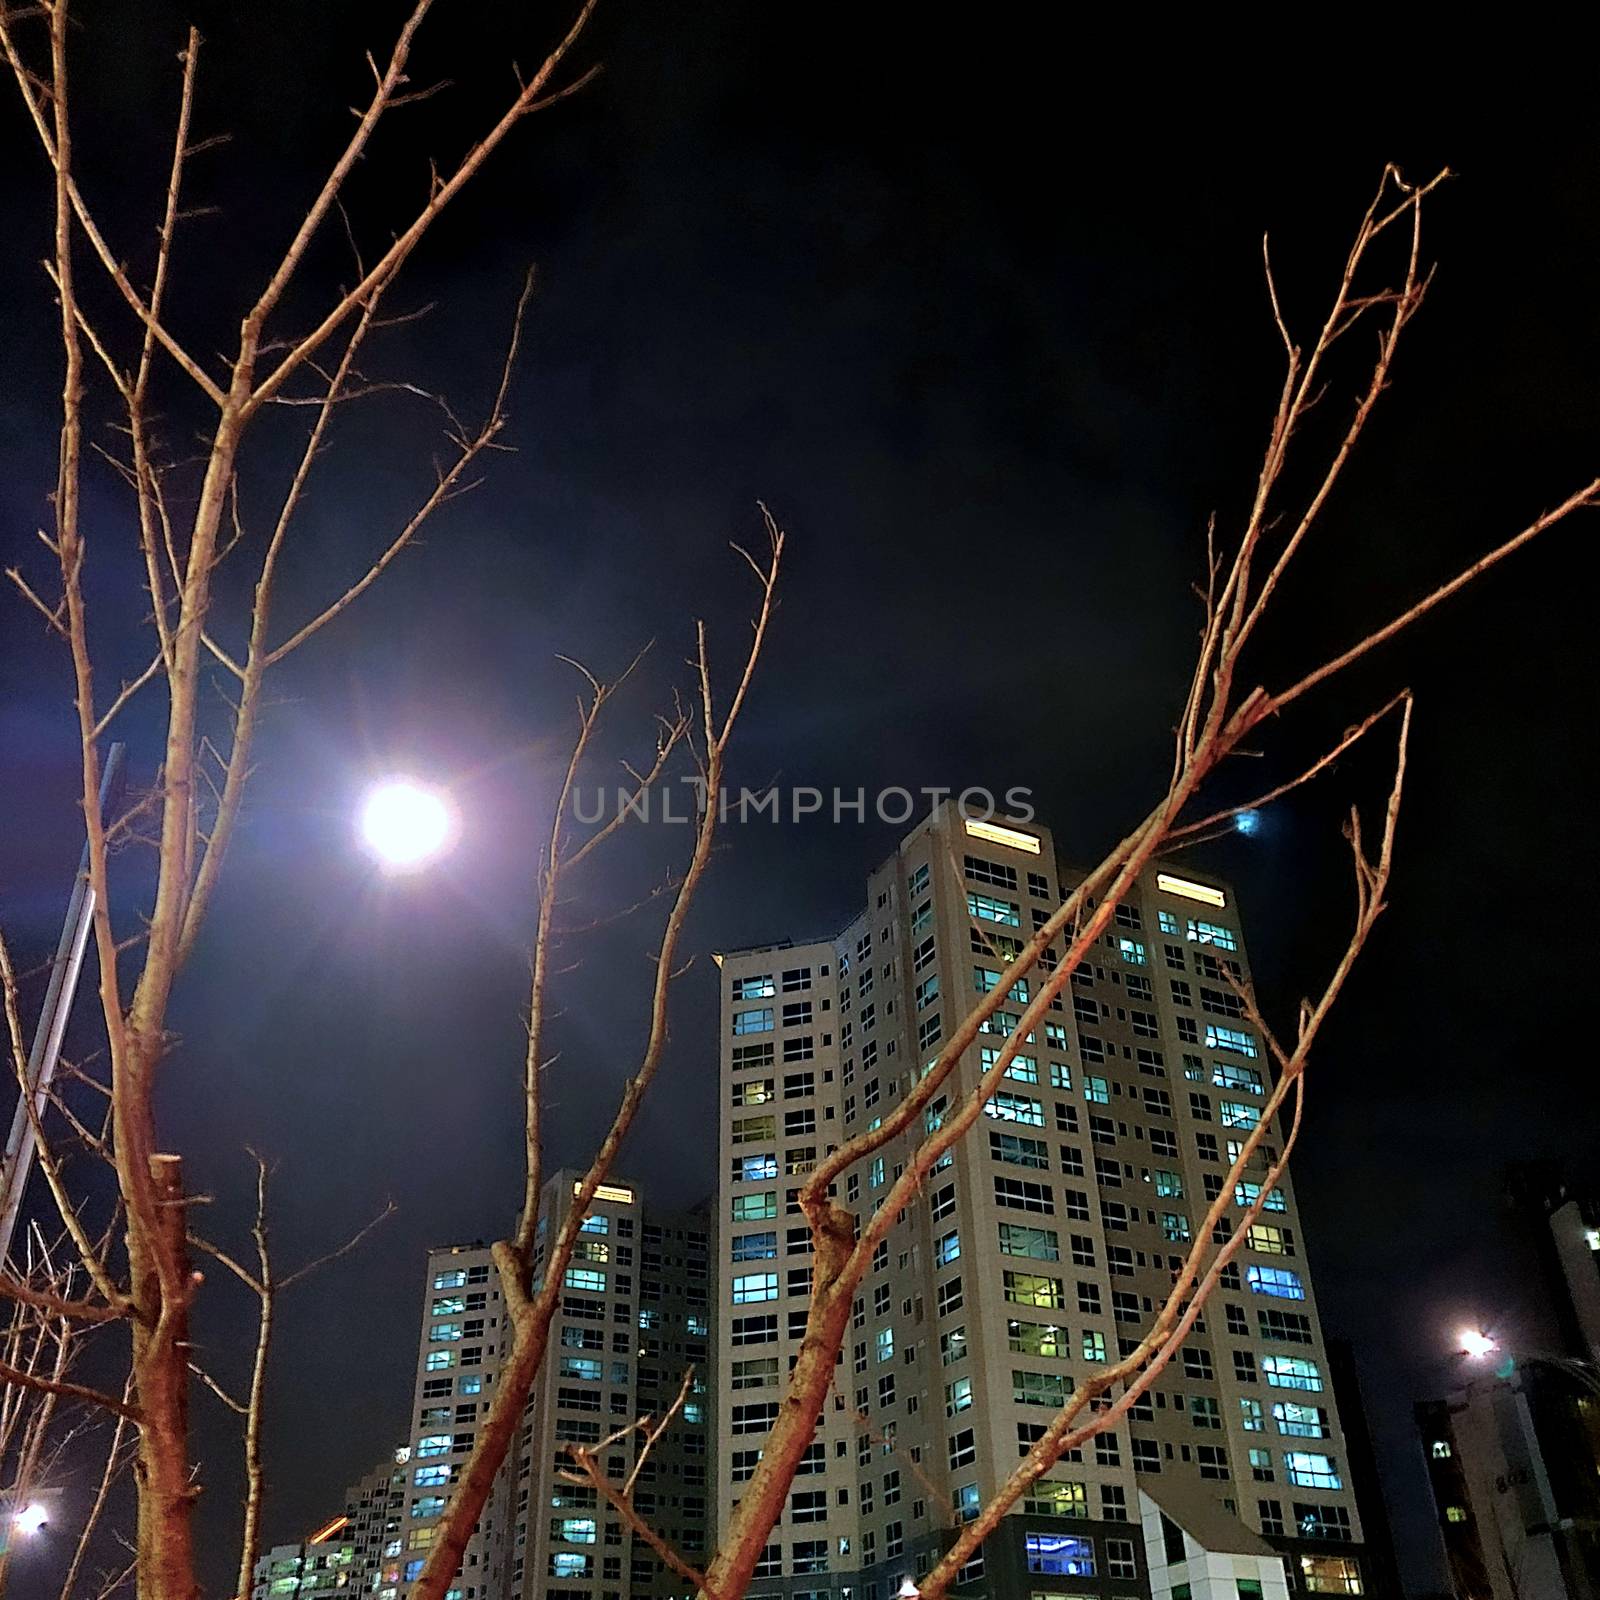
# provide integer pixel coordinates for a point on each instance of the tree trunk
(166, 1494)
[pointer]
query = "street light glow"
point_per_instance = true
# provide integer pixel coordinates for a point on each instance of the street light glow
(1477, 1344)
(407, 824)
(30, 1519)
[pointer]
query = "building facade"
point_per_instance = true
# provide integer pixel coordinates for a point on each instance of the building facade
(1043, 1246)
(1513, 1453)
(635, 1315)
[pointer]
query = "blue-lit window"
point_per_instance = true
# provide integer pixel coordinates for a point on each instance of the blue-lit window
(927, 991)
(1312, 1471)
(433, 1444)
(1096, 1091)
(1201, 932)
(596, 1224)
(1279, 1282)
(585, 1278)
(428, 1505)
(450, 1280)
(1133, 952)
(755, 1246)
(1060, 1554)
(987, 909)
(966, 1503)
(1237, 1114)
(756, 1021)
(947, 1248)
(414, 1569)
(1015, 1108)
(754, 1169)
(1300, 1421)
(438, 1360)
(1220, 1038)
(573, 1530)
(756, 987)
(581, 1367)
(1246, 1194)
(1292, 1372)
(431, 1477)
(570, 1564)
(754, 1286)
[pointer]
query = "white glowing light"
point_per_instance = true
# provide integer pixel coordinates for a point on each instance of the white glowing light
(30, 1519)
(1477, 1344)
(407, 824)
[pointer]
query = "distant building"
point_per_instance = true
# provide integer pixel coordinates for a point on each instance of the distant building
(319, 1569)
(374, 1512)
(635, 1313)
(1514, 1464)
(1560, 1221)
(1042, 1247)
(1513, 1454)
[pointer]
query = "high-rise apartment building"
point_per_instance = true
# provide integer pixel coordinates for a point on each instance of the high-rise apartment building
(635, 1314)
(1041, 1249)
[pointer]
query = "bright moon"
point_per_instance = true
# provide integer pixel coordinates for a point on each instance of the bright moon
(406, 824)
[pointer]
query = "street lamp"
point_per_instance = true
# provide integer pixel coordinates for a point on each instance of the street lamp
(1476, 1344)
(30, 1519)
(407, 824)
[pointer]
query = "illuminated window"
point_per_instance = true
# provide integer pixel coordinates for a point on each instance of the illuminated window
(756, 987)
(755, 1286)
(1220, 1038)
(987, 909)
(1330, 1574)
(755, 1207)
(1198, 932)
(1300, 1421)
(1060, 1554)
(756, 1021)
(1246, 1194)
(573, 1530)
(1015, 1108)
(1311, 1471)
(586, 1278)
(1291, 1372)
(1187, 889)
(1033, 1289)
(1279, 1282)
(1455, 1513)
(1441, 1450)
(995, 833)
(1237, 1114)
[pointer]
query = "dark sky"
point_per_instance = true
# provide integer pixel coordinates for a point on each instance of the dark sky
(975, 305)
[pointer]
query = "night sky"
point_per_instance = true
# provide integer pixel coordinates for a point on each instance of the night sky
(974, 304)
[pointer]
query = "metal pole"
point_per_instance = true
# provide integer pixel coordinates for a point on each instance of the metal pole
(46, 1052)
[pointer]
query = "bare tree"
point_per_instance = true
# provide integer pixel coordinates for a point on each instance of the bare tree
(145, 1280)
